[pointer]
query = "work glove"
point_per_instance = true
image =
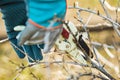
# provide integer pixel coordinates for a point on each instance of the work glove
(13, 15)
(34, 35)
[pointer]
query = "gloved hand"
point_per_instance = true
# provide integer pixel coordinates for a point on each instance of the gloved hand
(34, 35)
(43, 26)
(13, 15)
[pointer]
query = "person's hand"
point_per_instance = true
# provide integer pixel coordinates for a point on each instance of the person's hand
(44, 24)
(33, 35)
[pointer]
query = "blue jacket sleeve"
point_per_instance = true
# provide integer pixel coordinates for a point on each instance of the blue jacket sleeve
(41, 12)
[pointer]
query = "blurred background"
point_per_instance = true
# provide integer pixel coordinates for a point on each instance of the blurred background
(9, 61)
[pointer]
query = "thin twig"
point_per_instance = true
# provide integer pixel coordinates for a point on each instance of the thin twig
(3, 40)
(96, 13)
(94, 75)
(107, 14)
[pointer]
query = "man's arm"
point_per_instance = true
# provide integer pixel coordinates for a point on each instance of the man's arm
(44, 23)
(14, 13)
